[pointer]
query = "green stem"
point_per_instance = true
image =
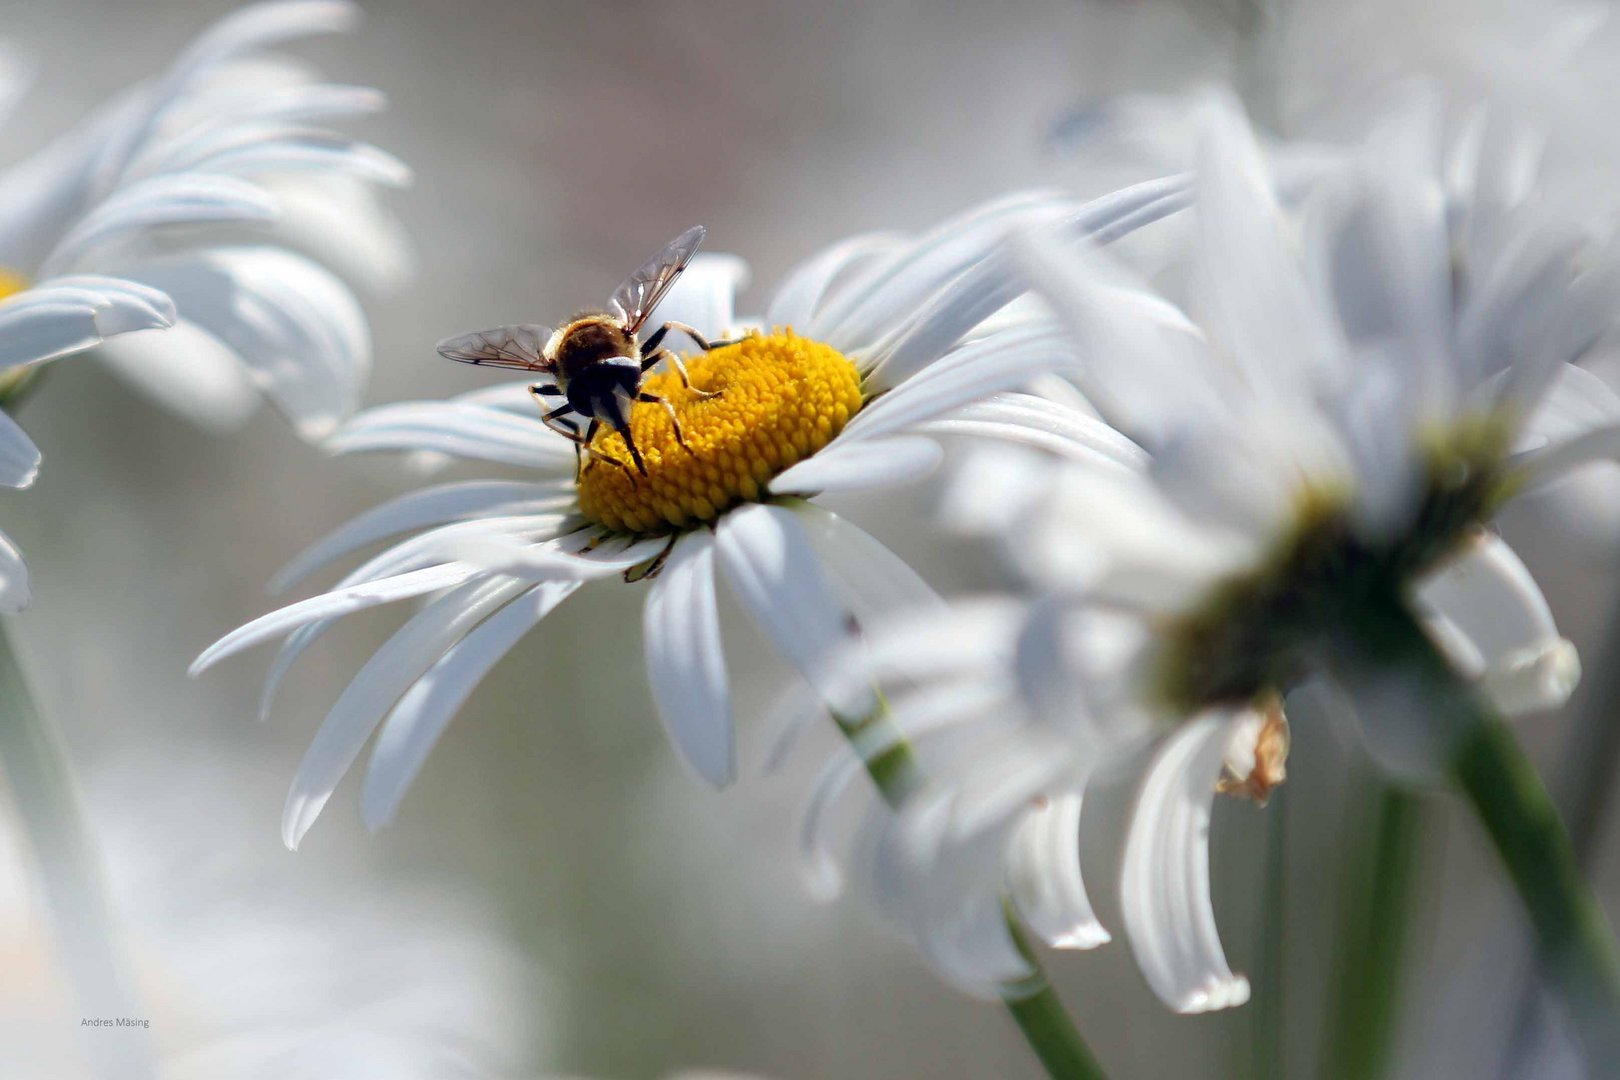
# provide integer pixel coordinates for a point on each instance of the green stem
(1373, 933)
(1033, 1003)
(37, 773)
(1578, 955)
(1576, 945)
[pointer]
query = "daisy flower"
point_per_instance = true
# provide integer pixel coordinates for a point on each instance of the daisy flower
(871, 353)
(116, 228)
(1344, 396)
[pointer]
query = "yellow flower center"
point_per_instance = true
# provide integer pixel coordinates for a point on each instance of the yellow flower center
(781, 398)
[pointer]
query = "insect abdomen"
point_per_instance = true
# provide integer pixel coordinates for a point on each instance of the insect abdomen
(589, 339)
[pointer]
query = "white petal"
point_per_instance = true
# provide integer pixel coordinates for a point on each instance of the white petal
(1235, 482)
(993, 488)
(1139, 358)
(993, 282)
(245, 149)
(1387, 257)
(305, 102)
(780, 583)
(68, 315)
(14, 592)
(428, 706)
(261, 26)
(418, 552)
(893, 289)
(187, 370)
(1000, 361)
(877, 583)
(1516, 314)
(806, 286)
(344, 224)
(1043, 876)
(1251, 292)
(469, 431)
(296, 326)
(462, 501)
(969, 642)
(161, 202)
(860, 465)
(1035, 421)
(685, 665)
(817, 864)
(342, 601)
(254, 27)
(1487, 596)
(704, 297)
(1537, 468)
(380, 683)
(1575, 402)
(949, 892)
(1164, 880)
(516, 556)
(19, 457)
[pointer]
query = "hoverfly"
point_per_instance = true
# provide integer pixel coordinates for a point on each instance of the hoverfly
(596, 359)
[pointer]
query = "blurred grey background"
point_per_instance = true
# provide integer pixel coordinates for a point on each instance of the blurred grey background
(658, 925)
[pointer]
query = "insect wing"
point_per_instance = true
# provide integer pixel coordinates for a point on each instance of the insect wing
(520, 347)
(641, 291)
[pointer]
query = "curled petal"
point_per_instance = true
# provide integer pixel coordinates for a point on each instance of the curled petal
(1490, 617)
(70, 314)
(1164, 881)
(1043, 876)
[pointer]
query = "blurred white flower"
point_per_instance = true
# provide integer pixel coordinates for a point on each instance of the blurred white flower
(118, 223)
(853, 404)
(249, 972)
(1348, 392)
(134, 200)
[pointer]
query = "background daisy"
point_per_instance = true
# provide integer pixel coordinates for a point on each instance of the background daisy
(1345, 398)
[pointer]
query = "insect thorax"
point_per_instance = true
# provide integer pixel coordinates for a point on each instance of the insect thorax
(588, 339)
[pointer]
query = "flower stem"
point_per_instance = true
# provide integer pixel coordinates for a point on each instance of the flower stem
(1577, 949)
(1578, 954)
(1373, 932)
(1034, 1005)
(42, 790)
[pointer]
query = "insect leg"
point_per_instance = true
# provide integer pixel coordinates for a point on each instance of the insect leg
(692, 332)
(650, 346)
(549, 391)
(680, 369)
(652, 568)
(674, 421)
(590, 437)
(569, 429)
(630, 444)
